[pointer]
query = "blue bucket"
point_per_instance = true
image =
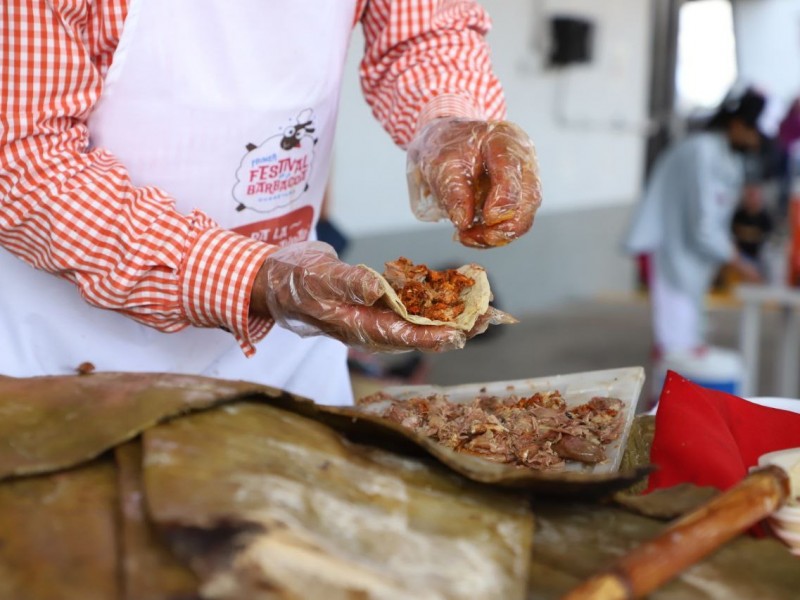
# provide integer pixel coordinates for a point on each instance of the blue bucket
(715, 368)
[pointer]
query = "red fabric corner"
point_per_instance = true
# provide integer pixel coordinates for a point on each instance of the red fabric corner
(711, 438)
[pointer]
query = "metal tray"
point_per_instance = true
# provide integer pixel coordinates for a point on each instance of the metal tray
(576, 388)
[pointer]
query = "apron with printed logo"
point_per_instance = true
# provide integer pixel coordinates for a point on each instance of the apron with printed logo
(229, 107)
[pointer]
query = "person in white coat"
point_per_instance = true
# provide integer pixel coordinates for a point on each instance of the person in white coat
(162, 167)
(684, 221)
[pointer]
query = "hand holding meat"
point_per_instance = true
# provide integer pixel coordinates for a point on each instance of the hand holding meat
(481, 175)
(308, 290)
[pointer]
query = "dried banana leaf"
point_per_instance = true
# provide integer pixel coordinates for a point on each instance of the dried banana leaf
(574, 541)
(637, 449)
(668, 503)
(149, 569)
(58, 535)
(263, 503)
(49, 423)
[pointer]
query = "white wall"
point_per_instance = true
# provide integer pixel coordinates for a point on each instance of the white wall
(768, 46)
(593, 159)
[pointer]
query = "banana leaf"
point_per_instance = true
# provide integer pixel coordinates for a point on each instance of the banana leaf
(575, 540)
(669, 503)
(149, 570)
(263, 503)
(58, 535)
(640, 440)
(64, 536)
(50, 423)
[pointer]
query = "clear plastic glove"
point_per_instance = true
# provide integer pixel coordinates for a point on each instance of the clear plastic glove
(492, 316)
(308, 290)
(481, 175)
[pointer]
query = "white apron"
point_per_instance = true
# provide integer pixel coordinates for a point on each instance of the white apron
(229, 106)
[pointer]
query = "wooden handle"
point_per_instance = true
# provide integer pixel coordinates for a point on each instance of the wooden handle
(690, 538)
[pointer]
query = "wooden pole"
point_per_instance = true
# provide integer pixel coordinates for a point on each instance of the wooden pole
(689, 539)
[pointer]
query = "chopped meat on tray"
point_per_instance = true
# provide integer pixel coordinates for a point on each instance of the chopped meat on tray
(539, 431)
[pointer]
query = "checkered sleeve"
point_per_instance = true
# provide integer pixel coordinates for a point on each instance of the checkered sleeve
(425, 59)
(75, 213)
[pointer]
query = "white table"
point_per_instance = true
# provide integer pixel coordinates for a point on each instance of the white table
(787, 365)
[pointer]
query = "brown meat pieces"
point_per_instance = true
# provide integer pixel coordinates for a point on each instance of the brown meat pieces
(537, 432)
(427, 293)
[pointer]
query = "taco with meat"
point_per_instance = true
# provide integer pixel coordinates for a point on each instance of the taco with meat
(452, 297)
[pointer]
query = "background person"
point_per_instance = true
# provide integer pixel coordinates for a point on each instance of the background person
(788, 137)
(752, 226)
(683, 222)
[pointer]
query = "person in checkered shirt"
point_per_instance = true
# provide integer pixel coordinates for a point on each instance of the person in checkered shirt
(167, 160)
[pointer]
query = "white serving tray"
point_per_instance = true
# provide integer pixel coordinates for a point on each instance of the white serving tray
(575, 388)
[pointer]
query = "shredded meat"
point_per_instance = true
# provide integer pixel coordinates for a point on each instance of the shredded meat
(538, 431)
(427, 293)
(85, 368)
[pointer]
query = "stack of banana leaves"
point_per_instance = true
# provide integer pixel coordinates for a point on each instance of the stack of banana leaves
(165, 487)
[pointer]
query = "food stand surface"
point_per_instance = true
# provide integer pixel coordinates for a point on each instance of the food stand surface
(167, 487)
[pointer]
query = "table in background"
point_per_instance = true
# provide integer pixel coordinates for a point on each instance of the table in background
(787, 365)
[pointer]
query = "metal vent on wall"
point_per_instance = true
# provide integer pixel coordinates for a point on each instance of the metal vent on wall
(570, 41)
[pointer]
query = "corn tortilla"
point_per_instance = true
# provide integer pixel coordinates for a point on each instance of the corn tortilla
(476, 300)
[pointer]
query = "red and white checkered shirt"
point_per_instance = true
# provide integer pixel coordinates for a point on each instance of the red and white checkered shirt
(75, 213)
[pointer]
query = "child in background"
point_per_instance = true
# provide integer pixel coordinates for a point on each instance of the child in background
(752, 225)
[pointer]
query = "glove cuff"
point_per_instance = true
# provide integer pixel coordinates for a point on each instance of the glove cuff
(449, 105)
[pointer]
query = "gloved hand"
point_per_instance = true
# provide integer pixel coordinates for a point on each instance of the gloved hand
(481, 175)
(308, 290)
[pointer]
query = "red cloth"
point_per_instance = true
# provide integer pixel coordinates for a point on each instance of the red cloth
(711, 438)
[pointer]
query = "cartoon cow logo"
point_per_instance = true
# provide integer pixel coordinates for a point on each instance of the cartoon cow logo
(275, 173)
(292, 136)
